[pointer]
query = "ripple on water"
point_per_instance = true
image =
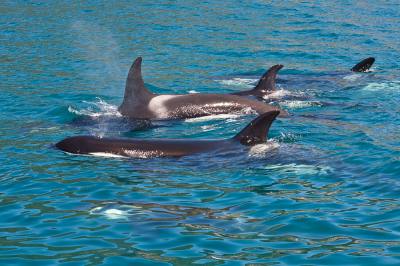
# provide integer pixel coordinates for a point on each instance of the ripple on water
(326, 195)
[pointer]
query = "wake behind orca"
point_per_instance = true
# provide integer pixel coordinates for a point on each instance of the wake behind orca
(254, 133)
(140, 103)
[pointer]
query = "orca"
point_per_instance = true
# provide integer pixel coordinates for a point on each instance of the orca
(268, 80)
(254, 133)
(140, 103)
(265, 85)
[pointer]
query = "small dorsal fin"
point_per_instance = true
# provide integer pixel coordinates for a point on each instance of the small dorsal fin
(265, 85)
(364, 65)
(134, 86)
(257, 131)
(267, 81)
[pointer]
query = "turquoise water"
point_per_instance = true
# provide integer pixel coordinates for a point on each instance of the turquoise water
(324, 191)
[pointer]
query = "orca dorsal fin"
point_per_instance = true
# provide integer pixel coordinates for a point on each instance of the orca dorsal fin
(135, 90)
(364, 65)
(257, 131)
(265, 85)
(267, 81)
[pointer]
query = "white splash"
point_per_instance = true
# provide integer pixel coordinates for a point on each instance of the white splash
(260, 150)
(207, 128)
(97, 109)
(288, 136)
(238, 82)
(193, 92)
(277, 94)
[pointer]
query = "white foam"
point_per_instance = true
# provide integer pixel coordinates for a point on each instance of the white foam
(277, 94)
(193, 92)
(208, 128)
(238, 82)
(300, 104)
(103, 109)
(288, 136)
(261, 150)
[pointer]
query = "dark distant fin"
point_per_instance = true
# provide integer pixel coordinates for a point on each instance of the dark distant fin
(364, 65)
(257, 131)
(267, 81)
(135, 90)
(265, 85)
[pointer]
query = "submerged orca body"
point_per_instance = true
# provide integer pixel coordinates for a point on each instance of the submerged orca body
(254, 133)
(140, 103)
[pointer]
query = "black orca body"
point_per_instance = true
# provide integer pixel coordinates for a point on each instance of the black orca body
(254, 133)
(140, 103)
(363, 65)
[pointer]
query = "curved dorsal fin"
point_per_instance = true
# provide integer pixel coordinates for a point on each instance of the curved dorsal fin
(265, 85)
(267, 81)
(257, 131)
(135, 90)
(364, 65)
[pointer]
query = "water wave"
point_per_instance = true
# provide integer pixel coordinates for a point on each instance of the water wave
(300, 169)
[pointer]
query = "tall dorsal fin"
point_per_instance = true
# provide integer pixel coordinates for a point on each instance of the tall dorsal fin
(135, 90)
(257, 131)
(265, 85)
(364, 65)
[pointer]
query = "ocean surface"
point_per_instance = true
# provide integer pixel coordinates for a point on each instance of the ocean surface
(324, 190)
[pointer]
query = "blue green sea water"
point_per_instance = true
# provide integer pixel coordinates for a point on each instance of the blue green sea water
(326, 193)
